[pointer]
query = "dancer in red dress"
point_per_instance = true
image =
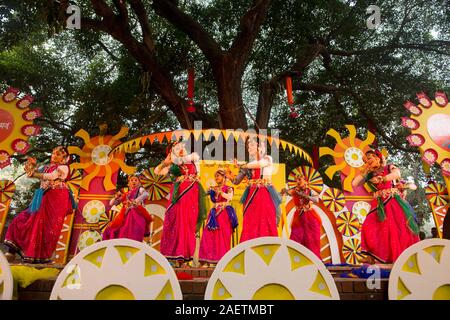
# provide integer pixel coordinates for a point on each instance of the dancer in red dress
(34, 233)
(305, 227)
(180, 240)
(389, 227)
(133, 220)
(222, 220)
(260, 200)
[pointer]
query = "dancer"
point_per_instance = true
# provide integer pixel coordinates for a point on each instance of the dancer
(389, 227)
(180, 240)
(133, 220)
(34, 232)
(305, 227)
(260, 200)
(221, 222)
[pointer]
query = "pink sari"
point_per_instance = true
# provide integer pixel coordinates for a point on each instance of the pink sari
(34, 236)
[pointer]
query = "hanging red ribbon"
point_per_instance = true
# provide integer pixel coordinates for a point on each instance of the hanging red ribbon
(290, 98)
(190, 93)
(289, 91)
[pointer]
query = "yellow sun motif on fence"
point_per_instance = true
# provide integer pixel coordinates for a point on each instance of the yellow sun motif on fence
(97, 160)
(348, 154)
(422, 272)
(119, 269)
(270, 268)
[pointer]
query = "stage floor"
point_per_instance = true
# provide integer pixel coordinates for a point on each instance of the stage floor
(194, 289)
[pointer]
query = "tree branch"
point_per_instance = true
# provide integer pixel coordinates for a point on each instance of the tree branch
(141, 13)
(190, 27)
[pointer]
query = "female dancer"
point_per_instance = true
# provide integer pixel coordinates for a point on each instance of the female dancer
(389, 227)
(180, 240)
(305, 227)
(222, 220)
(34, 233)
(260, 200)
(133, 220)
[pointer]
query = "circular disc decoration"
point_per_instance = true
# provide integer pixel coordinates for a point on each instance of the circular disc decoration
(88, 238)
(7, 189)
(93, 210)
(421, 272)
(157, 186)
(433, 127)
(6, 279)
(120, 269)
(436, 194)
(361, 208)
(348, 224)
(100, 155)
(270, 268)
(334, 199)
(352, 251)
(16, 119)
(313, 177)
(354, 157)
(105, 219)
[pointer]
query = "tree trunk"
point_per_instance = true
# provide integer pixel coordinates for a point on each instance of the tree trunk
(228, 78)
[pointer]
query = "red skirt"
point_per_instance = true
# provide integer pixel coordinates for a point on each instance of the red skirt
(260, 217)
(387, 239)
(305, 229)
(35, 236)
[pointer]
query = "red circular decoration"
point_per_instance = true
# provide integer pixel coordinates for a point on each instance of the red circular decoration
(24, 102)
(4, 159)
(31, 130)
(441, 99)
(411, 107)
(445, 166)
(30, 115)
(430, 156)
(415, 140)
(20, 146)
(410, 123)
(424, 100)
(6, 124)
(10, 94)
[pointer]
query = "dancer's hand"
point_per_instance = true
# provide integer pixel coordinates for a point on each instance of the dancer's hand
(283, 191)
(377, 179)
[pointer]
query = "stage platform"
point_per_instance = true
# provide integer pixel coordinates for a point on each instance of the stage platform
(194, 289)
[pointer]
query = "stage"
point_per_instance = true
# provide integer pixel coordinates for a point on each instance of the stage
(349, 288)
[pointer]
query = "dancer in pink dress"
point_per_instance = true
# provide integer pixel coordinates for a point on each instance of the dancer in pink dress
(133, 220)
(260, 200)
(306, 223)
(34, 232)
(389, 227)
(221, 222)
(180, 240)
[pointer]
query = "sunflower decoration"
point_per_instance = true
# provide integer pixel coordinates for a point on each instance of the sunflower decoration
(97, 160)
(88, 238)
(348, 154)
(311, 175)
(429, 124)
(157, 186)
(270, 268)
(421, 272)
(16, 124)
(119, 269)
(7, 189)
